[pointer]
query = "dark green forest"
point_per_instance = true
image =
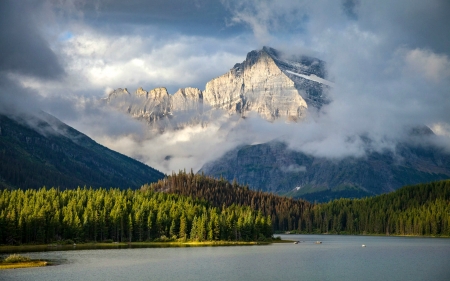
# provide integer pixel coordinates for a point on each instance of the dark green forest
(422, 209)
(49, 215)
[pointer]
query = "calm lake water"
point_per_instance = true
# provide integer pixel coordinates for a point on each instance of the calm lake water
(337, 258)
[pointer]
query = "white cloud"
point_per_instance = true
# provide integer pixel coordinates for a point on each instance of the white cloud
(441, 129)
(432, 66)
(190, 147)
(134, 61)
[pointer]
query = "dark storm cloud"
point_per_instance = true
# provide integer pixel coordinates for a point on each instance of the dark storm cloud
(198, 17)
(22, 47)
(349, 7)
(16, 99)
(422, 24)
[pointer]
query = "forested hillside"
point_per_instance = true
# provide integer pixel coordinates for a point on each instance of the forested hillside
(422, 209)
(284, 212)
(43, 216)
(41, 150)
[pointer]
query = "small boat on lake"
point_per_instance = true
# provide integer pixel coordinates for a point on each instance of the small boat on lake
(318, 242)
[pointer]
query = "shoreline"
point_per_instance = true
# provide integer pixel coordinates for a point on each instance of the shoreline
(6, 249)
(371, 235)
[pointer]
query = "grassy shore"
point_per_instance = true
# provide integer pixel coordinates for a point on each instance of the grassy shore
(23, 264)
(17, 261)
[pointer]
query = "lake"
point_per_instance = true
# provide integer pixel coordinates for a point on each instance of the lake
(337, 258)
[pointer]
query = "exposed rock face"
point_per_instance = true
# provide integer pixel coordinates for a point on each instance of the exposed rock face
(156, 107)
(187, 99)
(258, 84)
(265, 83)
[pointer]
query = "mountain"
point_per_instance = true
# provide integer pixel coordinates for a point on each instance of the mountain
(277, 86)
(266, 82)
(275, 168)
(40, 150)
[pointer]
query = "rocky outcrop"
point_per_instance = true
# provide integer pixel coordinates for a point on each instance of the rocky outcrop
(265, 83)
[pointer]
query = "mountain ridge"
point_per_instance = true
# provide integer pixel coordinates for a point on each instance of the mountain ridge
(265, 82)
(273, 167)
(41, 150)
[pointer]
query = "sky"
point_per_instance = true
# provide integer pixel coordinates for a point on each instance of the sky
(390, 62)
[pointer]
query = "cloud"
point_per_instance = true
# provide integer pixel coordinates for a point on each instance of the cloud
(134, 61)
(265, 18)
(293, 168)
(432, 66)
(23, 48)
(389, 62)
(175, 150)
(441, 129)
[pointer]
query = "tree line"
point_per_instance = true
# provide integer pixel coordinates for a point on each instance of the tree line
(422, 209)
(49, 215)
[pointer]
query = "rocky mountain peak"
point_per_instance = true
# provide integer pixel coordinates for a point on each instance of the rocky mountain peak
(141, 92)
(158, 94)
(266, 82)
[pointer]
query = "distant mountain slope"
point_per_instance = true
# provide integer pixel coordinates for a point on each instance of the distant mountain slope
(275, 168)
(41, 150)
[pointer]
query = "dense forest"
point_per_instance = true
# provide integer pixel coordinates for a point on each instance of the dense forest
(422, 209)
(186, 206)
(49, 215)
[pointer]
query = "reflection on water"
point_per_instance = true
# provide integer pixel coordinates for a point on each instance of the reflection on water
(337, 258)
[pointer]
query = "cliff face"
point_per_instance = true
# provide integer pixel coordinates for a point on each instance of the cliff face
(257, 85)
(265, 83)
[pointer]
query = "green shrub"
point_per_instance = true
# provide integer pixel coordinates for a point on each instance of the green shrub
(15, 258)
(163, 238)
